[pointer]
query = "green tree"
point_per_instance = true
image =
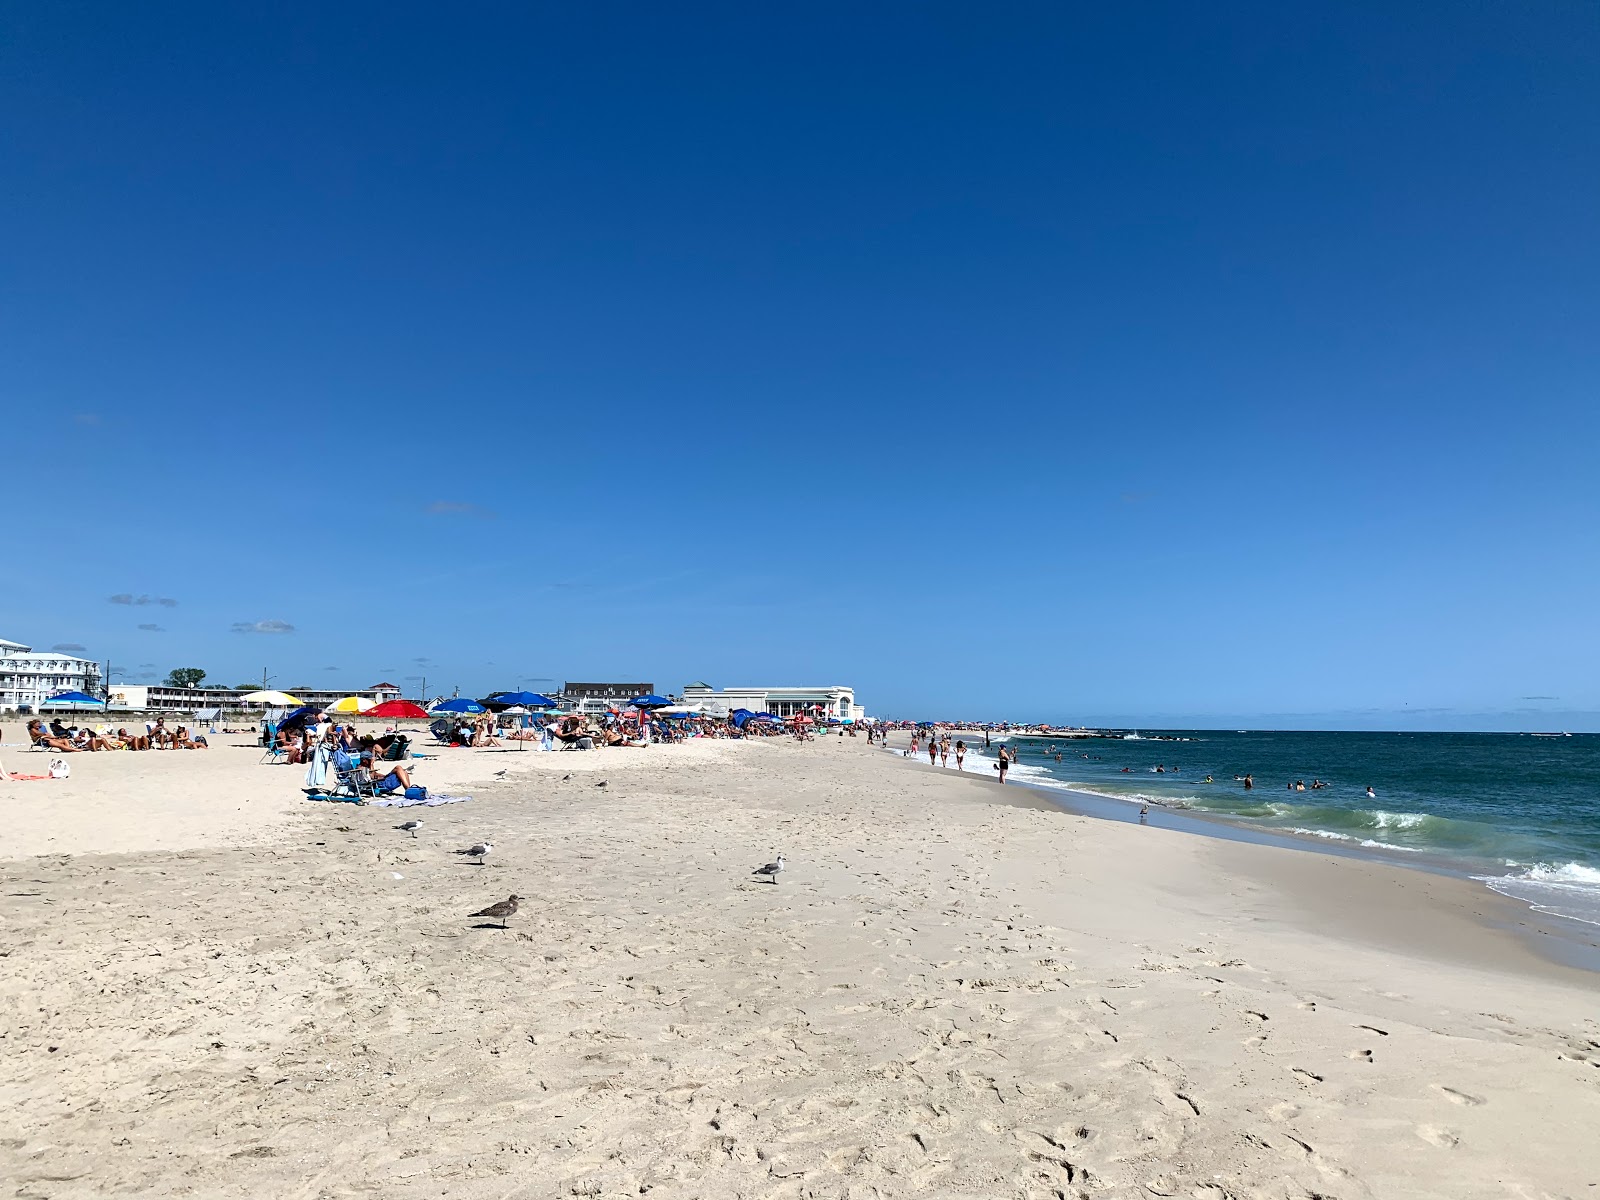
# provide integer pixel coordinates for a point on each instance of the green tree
(185, 677)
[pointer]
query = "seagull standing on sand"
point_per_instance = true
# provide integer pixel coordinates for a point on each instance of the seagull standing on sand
(410, 827)
(771, 870)
(499, 774)
(478, 850)
(501, 909)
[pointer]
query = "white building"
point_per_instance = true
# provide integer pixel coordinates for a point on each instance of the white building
(821, 702)
(142, 698)
(29, 677)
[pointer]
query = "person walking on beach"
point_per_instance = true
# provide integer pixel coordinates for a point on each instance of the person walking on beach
(944, 751)
(933, 751)
(961, 753)
(1003, 764)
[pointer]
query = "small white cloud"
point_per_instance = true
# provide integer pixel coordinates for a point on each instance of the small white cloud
(68, 648)
(262, 627)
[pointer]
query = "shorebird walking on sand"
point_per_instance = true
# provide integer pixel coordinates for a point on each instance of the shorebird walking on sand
(478, 850)
(771, 870)
(410, 826)
(500, 910)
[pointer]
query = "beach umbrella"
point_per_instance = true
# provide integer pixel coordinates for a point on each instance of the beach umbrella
(352, 704)
(650, 701)
(298, 717)
(461, 705)
(519, 699)
(277, 699)
(390, 710)
(73, 699)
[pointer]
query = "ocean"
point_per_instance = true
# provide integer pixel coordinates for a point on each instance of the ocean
(1520, 812)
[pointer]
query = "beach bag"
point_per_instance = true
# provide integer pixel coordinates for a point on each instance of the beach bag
(416, 792)
(60, 768)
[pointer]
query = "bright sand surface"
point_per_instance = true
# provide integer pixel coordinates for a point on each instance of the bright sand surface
(213, 988)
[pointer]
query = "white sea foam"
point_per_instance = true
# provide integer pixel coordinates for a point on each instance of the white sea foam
(1389, 820)
(1570, 890)
(1328, 833)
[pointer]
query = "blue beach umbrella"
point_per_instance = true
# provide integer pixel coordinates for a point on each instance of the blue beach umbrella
(462, 705)
(650, 701)
(73, 698)
(524, 699)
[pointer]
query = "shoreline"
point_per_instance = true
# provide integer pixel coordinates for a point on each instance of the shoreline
(1563, 940)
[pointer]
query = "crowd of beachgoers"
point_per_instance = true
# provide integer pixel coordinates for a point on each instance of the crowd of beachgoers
(74, 739)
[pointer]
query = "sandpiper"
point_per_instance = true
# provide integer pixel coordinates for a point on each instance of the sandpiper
(500, 910)
(771, 870)
(478, 850)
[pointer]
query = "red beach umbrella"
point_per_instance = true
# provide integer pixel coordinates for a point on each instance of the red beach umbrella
(392, 709)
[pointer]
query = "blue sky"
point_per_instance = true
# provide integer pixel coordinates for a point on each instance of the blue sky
(1138, 363)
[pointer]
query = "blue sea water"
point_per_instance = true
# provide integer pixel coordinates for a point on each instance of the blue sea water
(1519, 811)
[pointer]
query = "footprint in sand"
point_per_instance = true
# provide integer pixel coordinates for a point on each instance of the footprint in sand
(1360, 1055)
(1466, 1099)
(1305, 1076)
(1438, 1135)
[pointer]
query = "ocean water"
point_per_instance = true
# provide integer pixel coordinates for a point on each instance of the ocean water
(1518, 811)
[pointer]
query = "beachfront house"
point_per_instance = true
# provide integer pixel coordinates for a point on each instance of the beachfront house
(838, 702)
(29, 677)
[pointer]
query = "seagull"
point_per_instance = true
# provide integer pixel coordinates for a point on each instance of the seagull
(772, 870)
(602, 783)
(564, 778)
(499, 774)
(410, 826)
(478, 850)
(501, 909)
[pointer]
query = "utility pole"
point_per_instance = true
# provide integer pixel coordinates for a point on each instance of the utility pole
(423, 699)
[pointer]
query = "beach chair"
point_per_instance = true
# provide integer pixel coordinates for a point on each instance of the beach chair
(274, 744)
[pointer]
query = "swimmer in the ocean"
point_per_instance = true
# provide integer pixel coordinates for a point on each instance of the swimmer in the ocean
(1371, 795)
(1207, 779)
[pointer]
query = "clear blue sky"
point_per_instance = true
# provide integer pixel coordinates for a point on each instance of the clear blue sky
(1152, 363)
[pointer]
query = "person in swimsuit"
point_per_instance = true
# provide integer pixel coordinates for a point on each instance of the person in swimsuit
(944, 751)
(933, 751)
(961, 754)
(1004, 763)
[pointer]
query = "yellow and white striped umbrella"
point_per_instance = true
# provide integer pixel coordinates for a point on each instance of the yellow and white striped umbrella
(351, 704)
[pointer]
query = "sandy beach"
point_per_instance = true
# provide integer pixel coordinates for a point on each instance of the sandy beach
(215, 988)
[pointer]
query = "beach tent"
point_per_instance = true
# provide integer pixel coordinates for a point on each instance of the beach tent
(391, 710)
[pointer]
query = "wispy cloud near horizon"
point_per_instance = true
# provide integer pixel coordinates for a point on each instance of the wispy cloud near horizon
(271, 626)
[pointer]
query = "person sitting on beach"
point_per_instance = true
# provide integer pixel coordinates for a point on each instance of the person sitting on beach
(397, 778)
(132, 742)
(84, 739)
(57, 729)
(40, 736)
(182, 741)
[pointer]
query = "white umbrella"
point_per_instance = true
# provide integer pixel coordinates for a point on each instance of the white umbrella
(276, 698)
